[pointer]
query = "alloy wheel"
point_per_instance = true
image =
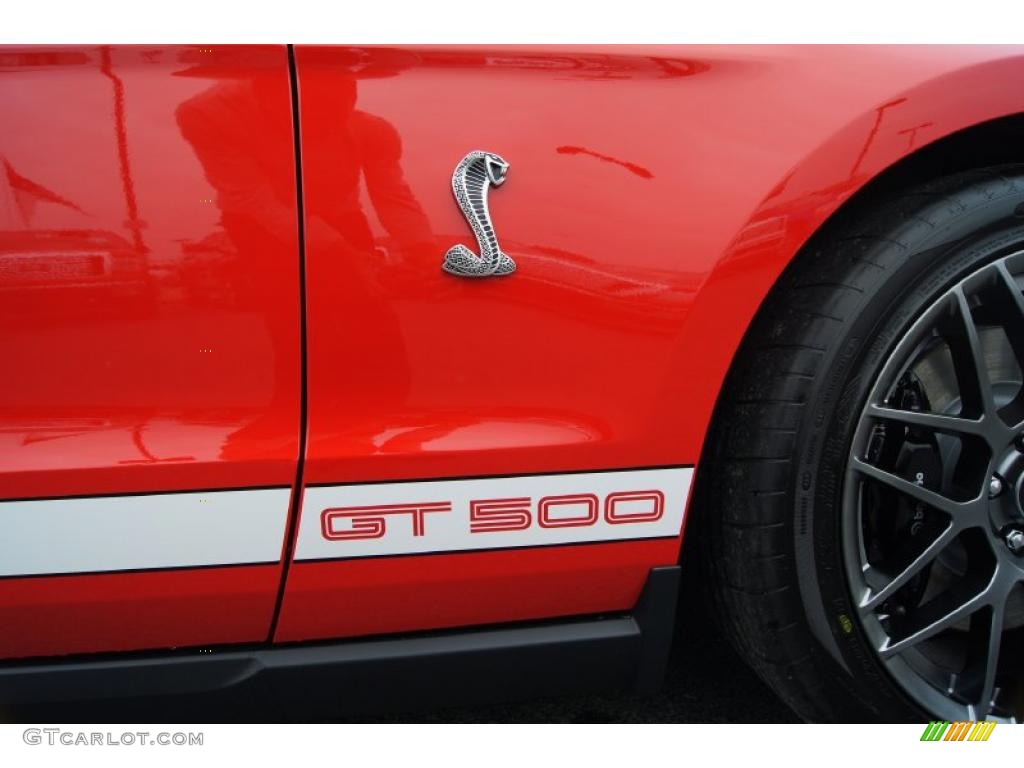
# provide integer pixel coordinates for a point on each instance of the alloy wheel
(933, 502)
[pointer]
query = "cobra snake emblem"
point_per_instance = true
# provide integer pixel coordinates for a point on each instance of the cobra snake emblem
(475, 174)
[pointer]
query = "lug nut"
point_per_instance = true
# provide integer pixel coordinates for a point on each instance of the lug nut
(1015, 541)
(1018, 443)
(995, 486)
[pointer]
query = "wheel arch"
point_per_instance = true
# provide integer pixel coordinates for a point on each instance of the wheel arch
(738, 500)
(973, 120)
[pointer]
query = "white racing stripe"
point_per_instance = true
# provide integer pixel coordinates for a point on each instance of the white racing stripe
(231, 527)
(491, 513)
(168, 530)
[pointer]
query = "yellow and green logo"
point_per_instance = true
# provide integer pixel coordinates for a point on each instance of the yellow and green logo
(946, 731)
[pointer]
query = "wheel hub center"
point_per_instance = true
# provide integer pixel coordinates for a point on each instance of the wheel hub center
(1006, 500)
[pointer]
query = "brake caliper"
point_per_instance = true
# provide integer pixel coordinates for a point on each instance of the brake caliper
(897, 521)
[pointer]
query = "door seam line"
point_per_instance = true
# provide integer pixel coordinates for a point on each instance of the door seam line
(295, 507)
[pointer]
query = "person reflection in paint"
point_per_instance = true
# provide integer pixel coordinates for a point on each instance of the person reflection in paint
(246, 169)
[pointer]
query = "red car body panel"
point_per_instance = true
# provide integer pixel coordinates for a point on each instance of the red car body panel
(654, 196)
(149, 317)
(171, 359)
(373, 596)
(640, 181)
(57, 615)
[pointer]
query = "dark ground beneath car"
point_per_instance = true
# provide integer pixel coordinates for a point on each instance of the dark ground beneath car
(706, 683)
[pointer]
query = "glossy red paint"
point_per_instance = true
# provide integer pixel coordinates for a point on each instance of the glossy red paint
(149, 301)
(654, 196)
(378, 595)
(59, 615)
(149, 304)
(149, 316)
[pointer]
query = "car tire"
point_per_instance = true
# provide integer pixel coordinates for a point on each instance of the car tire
(772, 503)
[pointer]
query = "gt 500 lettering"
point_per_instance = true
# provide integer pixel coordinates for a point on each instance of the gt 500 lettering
(454, 515)
(491, 515)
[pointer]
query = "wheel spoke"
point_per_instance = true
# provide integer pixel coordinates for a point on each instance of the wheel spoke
(931, 498)
(994, 641)
(872, 601)
(969, 359)
(930, 627)
(1012, 289)
(1011, 310)
(935, 421)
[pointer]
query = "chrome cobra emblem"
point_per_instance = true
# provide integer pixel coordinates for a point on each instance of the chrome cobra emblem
(473, 177)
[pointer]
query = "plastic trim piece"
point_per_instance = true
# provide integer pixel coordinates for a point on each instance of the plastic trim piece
(622, 651)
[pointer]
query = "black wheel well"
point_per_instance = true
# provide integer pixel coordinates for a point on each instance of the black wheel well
(765, 517)
(994, 142)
